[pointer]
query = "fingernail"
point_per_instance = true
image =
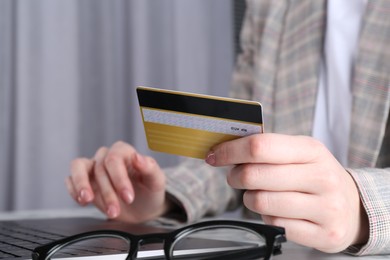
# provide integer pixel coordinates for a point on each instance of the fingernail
(85, 196)
(127, 196)
(210, 159)
(140, 159)
(112, 211)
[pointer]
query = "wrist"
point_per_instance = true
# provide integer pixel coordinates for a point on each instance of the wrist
(172, 209)
(364, 230)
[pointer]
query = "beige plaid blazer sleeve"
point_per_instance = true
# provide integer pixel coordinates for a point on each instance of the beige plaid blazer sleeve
(282, 45)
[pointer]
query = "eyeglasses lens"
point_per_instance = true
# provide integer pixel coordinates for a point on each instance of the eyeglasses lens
(220, 242)
(95, 246)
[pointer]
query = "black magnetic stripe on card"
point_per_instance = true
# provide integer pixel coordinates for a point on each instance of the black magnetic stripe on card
(200, 106)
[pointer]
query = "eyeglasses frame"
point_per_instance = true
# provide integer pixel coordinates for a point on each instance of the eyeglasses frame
(273, 235)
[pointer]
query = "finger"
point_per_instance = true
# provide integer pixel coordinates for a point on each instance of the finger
(296, 230)
(309, 234)
(289, 177)
(70, 188)
(81, 170)
(110, 199)
(292, 205)
(99, 202)
(149, 173)
(265, 148)
(117, 162)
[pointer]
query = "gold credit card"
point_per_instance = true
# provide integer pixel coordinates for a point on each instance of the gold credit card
(189, 124)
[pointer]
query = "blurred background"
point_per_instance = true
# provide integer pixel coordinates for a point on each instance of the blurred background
(68, 73)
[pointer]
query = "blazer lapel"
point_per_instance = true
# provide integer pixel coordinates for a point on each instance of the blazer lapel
(371, 86)
(299, 61)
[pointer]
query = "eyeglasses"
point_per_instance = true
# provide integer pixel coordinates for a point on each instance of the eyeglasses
(227, 239)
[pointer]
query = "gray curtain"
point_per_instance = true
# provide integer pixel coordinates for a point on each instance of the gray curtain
(68, 72)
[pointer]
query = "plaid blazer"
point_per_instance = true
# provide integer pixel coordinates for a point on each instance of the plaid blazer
(282, 44)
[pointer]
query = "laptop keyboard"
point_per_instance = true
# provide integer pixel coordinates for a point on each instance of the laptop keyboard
(18, 241)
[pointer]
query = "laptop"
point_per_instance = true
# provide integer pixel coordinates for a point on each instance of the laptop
(19, 237)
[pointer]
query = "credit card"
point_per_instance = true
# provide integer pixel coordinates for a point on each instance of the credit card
(189, 124)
